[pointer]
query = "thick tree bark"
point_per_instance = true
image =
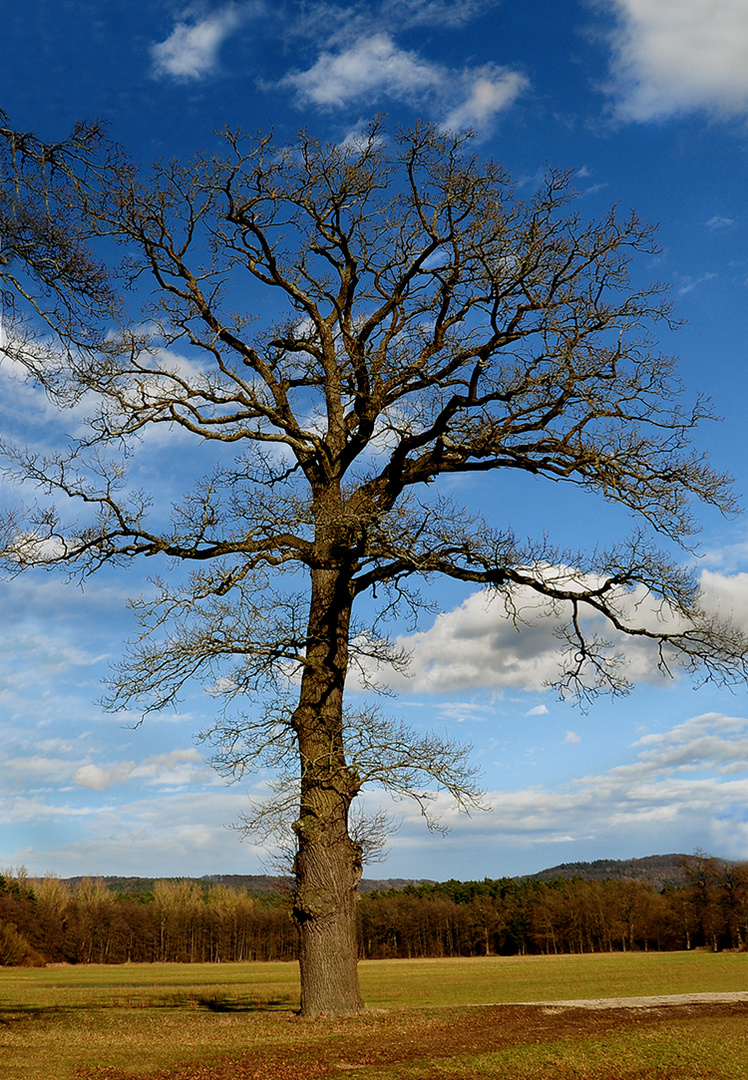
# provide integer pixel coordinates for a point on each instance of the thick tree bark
(328, 863)
(328, 872)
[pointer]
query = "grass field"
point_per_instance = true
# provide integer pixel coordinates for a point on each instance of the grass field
(236, 1022)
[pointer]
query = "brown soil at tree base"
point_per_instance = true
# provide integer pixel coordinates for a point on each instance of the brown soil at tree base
(338, 1048)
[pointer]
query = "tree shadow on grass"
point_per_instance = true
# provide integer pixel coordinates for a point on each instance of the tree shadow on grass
(219, 1003)
(214, 1001)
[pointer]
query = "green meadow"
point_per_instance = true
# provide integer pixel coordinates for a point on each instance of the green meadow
(237, 1021)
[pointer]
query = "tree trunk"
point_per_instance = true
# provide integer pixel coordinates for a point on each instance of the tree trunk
(328, 862)
(325, 912)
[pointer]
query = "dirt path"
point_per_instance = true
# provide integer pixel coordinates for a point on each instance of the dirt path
(385, 1040)
(639, 1002)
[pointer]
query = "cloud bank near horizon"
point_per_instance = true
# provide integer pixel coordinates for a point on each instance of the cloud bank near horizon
(687, 782)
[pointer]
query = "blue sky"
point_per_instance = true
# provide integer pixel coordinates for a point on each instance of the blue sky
(648, 104)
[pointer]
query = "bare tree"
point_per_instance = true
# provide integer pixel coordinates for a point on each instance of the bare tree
(362, 320)
(46, 266)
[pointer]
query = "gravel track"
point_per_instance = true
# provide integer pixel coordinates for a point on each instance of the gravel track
(643, 1002)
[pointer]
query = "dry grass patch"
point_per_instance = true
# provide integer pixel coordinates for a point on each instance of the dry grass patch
(507, 1042)
(237, 1022)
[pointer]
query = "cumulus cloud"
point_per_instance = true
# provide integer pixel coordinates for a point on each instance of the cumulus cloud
(490, 90)
(374, 67)
(726, 594)
(572, 739)
(191, 49)
(678, 56)
(98, 779)
(479, 646)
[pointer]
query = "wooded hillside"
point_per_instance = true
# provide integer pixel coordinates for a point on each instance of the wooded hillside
(657, 870)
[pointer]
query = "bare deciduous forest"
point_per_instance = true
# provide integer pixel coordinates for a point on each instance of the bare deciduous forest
(51, 921)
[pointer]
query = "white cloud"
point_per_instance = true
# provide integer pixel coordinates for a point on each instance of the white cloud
(51, 653)
(718, 222)
(572, 739)
(730, 838)
(33, 809)
(98, 779)
(490, 90)
(333, 24)
(690, 283)
(176, 834)
(35, 770)
(686, 787)
(465, 712)
(434, 12)
(726, 594)
(25, 406)
(539, 710)
(191, 49)
(712, 741)
(478, 645)
(676, 56)
(173, 769)
(373, 66)
(28, 769)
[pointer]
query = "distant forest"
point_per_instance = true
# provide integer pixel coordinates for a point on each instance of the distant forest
(665, 903)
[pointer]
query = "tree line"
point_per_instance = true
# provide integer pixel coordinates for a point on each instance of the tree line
(564, 915)
(50, 921)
